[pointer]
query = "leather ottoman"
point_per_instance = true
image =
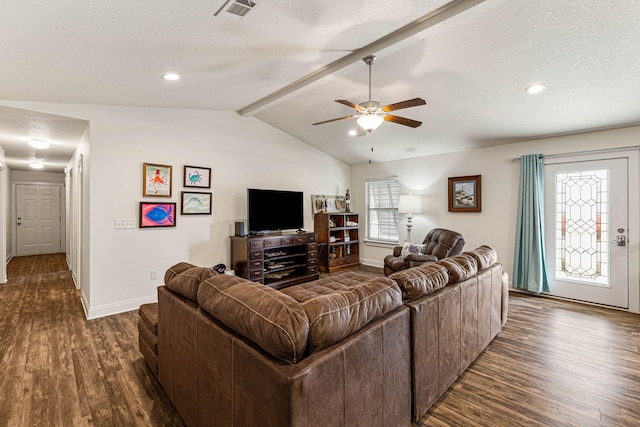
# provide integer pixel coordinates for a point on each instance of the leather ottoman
(148, 335)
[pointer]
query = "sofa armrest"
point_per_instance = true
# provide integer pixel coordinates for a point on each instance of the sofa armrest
(413, 260)
(397, 251)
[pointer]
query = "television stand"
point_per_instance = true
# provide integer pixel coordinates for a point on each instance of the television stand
(278, 260)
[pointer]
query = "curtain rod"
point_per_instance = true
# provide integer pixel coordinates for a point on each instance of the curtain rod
(600, 150)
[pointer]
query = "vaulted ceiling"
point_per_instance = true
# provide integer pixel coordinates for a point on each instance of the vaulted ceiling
(286, 61)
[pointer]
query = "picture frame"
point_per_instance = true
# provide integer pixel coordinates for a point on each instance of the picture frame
(195, 203)
(156, 180)
(465, 193)
(197, 177)
(157, 214)
(322, 203)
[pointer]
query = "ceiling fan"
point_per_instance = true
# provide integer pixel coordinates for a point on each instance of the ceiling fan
(371, 115)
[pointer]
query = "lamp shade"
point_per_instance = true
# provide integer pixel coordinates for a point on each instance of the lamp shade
(370, 122)
(410, 204)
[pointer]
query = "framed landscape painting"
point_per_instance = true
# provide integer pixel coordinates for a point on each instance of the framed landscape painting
(465, 194)
(195, 203)
(156, 180)
(197, 176)
(157, 215)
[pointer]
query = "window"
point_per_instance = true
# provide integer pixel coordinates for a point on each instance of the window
(382, 209)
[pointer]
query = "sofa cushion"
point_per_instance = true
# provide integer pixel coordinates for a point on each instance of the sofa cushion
(149, 315)
(184, 279)
(460, 267)
(340, 305)
(269, 318)
(484, 255)
(422, 280)
(176, 269)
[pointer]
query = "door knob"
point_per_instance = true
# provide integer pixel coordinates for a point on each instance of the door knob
(621, 239)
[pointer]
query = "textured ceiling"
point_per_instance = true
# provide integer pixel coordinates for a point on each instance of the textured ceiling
(471, 68)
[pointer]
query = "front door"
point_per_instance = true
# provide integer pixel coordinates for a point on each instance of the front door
(38, 219)
(586, 222)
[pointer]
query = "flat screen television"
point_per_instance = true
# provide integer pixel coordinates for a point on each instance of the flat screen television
(274, 210)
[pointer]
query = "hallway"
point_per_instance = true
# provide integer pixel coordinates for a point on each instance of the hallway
(59, 369)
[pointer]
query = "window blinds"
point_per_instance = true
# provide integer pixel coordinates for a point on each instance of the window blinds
(382, 209)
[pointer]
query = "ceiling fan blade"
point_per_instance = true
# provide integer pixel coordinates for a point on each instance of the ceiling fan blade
(404, 104)
(402, 121)
(349, 104)
(333, 120)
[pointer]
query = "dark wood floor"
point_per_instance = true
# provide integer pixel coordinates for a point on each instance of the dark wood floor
(556, 363)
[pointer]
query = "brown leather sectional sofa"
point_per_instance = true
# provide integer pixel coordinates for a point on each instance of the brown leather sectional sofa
(458, 305)
(348, 349)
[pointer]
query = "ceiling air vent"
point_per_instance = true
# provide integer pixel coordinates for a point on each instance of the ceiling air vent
(235, 9)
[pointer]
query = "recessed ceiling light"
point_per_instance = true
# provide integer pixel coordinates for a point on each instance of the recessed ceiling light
(171, 76)
(535, 88)
(39, 143)
(36, 165)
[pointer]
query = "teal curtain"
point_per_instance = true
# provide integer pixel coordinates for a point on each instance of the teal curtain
(529, 270)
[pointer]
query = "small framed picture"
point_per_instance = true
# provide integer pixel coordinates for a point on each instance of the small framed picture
(156, 180)
(195, 203)
(197, 176)
(465, 194)
(157, 215)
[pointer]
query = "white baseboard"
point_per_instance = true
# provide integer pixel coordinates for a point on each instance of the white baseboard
(115, 308)
(372, 262)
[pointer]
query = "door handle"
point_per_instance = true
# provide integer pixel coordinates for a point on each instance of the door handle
(621, 239)
(19, 220)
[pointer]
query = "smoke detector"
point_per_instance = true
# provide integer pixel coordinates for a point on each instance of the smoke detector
(235, 9)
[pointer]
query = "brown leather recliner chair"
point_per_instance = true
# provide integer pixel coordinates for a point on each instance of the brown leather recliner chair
(441, 243)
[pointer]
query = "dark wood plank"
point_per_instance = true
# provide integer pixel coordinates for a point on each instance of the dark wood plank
(556, 363)
(60, 369)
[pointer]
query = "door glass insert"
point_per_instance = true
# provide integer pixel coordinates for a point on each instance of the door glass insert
(582, 231)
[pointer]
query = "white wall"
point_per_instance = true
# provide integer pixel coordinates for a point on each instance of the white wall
(37, 177)
(495, 225)
(242, 152)
(4, 216)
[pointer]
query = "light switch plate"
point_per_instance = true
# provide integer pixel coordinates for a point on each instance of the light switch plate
(125, 223)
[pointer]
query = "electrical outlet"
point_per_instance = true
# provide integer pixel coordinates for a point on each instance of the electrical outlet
(154, 274)
(125, 223)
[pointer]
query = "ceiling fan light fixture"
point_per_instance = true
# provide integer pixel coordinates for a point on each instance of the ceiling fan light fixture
(370, 122)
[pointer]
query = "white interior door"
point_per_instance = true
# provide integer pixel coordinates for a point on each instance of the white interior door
(586, 222)
(38, 219)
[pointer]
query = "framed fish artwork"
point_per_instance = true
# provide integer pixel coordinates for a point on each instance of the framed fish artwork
(157, 214)
(194, 203)
(156, 180)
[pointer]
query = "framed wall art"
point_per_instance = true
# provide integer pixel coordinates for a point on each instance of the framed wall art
(157, 215)
(465, 194)
(322, 203)
(193, 203)
(156, 180)
(197, 176)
